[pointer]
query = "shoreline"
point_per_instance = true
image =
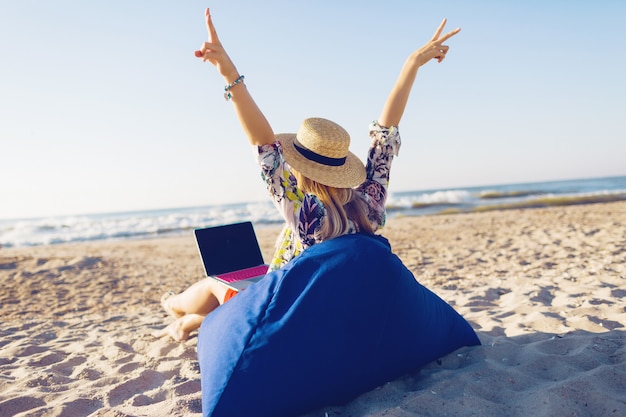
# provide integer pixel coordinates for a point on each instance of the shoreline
(544, 289)
(164, 222)
(393, 213)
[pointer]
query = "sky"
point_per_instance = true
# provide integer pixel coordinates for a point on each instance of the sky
(104, 108)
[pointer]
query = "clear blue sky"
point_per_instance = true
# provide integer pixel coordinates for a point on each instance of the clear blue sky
(103, 106)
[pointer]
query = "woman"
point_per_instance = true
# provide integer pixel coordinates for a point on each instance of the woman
(320, 187)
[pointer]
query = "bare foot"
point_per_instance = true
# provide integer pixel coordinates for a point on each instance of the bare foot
(166, 303)
(175, 330)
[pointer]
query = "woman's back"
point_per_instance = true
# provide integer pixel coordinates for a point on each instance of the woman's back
(314, 211)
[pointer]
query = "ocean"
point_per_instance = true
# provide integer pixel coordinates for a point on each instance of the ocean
(176, 221)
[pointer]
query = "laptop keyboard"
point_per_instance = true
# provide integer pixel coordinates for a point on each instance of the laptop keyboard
(255, 271)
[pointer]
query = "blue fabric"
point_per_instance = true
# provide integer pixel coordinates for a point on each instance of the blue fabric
(342, 318)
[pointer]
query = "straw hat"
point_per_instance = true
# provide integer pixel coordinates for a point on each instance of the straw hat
(320, 152)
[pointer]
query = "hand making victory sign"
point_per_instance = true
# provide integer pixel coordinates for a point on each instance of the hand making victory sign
(435, 49)
(252, 120)
(214, 52)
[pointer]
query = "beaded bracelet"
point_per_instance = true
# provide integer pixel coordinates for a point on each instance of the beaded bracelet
(227, 95)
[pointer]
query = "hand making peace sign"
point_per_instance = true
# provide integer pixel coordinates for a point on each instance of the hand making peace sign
(434, 49)
(213, 51)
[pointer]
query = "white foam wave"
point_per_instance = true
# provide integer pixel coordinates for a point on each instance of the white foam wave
(430, 198)
(66, 229)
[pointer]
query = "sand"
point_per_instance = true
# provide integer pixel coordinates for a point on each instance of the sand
(544, 289)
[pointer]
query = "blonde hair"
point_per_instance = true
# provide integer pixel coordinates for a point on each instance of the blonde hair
(341, 204)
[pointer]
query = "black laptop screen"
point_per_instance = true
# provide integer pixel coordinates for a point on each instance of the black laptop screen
(228, 248)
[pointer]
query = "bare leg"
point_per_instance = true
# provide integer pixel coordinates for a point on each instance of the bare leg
(190, 307)
(201, 298)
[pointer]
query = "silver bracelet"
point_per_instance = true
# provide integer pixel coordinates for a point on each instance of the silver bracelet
(227, 95)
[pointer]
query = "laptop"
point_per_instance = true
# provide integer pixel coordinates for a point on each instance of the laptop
(231, 254)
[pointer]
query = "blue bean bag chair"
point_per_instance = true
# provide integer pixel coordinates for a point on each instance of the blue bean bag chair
(342, 318)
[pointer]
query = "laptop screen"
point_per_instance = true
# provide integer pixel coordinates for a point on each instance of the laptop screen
(228, 248)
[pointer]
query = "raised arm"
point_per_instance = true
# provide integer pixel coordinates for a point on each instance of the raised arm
(252, 120)
(399, 96)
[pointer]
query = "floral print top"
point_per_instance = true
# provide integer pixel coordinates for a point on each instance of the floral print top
(304, 213)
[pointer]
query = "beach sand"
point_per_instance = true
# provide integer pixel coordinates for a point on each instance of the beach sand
(544, 289)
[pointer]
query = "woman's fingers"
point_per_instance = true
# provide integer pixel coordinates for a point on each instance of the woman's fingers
(443, 50)
(213, 42)
(436, 36)
(212, 35)
(210, 28)
(207, 19)
(437, 40)
(203, 49)
(449, 34)
(439, 30)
